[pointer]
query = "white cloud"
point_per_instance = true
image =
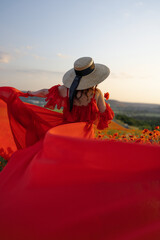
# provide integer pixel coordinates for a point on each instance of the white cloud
(20, 52)
(29, 47)
(16, 50)
(36, 71)
(29, 78)
(4, 57)
(60, 55)
(26, 71)
(38, 57)
(25, 51)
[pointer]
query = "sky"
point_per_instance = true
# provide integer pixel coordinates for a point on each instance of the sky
(41, 39)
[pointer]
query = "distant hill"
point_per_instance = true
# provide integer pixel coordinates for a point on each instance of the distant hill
(34, 100)
(133, 109)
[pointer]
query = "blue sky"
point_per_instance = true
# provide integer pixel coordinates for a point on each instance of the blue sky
(41, 39)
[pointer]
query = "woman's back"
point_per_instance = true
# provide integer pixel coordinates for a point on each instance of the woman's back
(84, 97)
(88, 106)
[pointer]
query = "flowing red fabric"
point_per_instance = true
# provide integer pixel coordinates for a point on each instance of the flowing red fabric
(70, 186)
(22, 124)
(7, 144)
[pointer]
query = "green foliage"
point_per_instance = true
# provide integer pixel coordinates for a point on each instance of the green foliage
(3, 163)
(139, 121)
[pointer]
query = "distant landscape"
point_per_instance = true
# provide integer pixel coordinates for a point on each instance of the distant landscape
(135, 109)
(140, 115)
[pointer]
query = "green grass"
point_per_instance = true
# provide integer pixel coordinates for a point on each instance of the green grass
(3, 163)
(141, 122)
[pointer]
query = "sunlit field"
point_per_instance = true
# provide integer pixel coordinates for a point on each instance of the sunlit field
(119, 133)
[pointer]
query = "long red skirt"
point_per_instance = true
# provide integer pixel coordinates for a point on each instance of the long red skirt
(69, 186)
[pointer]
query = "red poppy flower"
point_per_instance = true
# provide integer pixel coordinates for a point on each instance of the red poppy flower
(106, 96)
(115, 134)
(145, 131)
(131, 136)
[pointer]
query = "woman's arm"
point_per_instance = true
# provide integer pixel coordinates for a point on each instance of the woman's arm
(101, 102)
(106, 113)
(40, 93)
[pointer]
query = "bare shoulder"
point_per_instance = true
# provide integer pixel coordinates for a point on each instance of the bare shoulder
(100, 101)
(62, 91)
(98, 93)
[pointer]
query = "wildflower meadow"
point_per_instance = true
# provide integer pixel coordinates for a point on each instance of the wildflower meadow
(116, 132)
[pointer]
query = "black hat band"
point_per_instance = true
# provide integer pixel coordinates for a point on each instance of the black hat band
(86, 71)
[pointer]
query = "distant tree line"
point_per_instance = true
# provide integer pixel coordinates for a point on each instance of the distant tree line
(139, 121)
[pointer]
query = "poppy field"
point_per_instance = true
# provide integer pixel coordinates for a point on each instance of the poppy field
(116, 132)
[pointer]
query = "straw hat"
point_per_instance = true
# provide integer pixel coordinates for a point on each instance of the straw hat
(90, 73)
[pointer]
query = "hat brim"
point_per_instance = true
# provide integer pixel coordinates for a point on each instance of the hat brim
(100, 73)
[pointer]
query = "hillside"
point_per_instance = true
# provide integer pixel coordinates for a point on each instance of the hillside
(133, 109)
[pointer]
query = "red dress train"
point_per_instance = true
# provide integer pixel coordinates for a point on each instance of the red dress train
(68, 185)
(25, 124)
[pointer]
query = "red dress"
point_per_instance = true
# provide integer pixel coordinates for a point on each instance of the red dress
(25, 124)
(89, 113)
(67, 187)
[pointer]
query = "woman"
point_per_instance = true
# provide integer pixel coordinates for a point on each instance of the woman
(81, 100)
(86, 102)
